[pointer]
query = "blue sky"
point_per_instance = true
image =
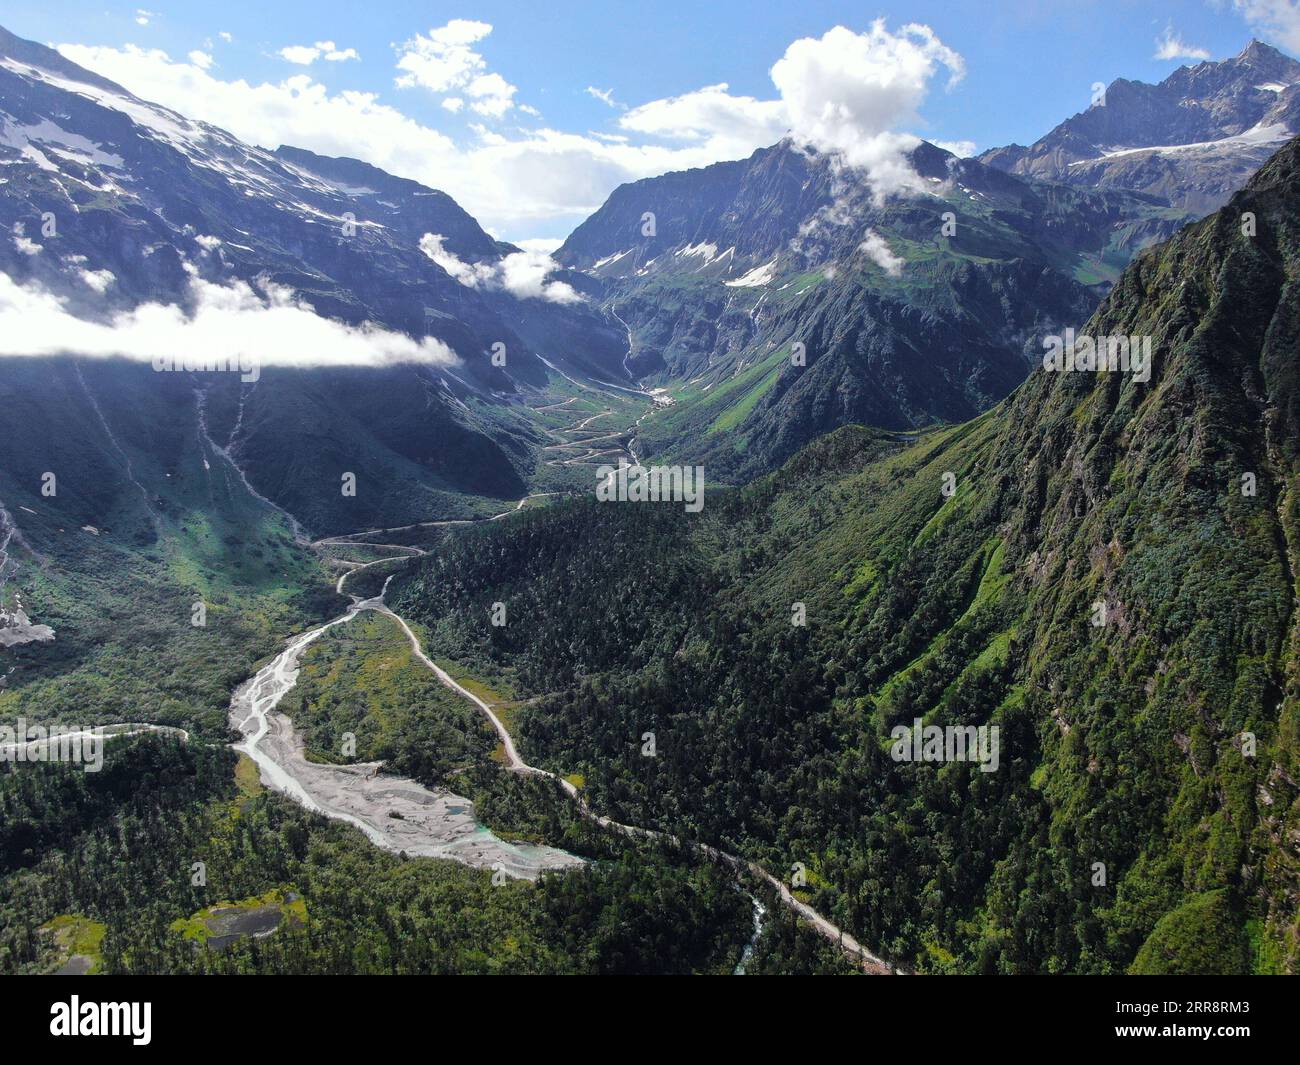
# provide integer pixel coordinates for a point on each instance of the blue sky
(499, 109)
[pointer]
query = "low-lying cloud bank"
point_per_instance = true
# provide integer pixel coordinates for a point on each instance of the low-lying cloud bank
(522, 273)
(877, 249)
(235, 324)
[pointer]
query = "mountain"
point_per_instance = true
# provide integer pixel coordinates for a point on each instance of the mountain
(1103, 567)
(110, 204)
(1192, 140)
(919, 308)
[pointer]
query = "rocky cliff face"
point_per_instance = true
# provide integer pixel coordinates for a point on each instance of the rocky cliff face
(919, 308)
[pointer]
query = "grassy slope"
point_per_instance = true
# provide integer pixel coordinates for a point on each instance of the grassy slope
(726, 399)
(175, 529)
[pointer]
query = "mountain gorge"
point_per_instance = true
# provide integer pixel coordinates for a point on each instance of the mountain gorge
(1144, 814)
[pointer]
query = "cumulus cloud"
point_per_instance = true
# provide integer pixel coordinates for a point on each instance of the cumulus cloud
(847, 92)
(1278, 20)
(545, 174)
(844, 92)
(1169, 45)
(142, 16)
(544, 245)
(443, 61)
(878, 251)
(469, 274)
(302, 54)
(233, 324)
(306, 54)
(336, 55)
(523, 273)
(24, 243)
(491, 95)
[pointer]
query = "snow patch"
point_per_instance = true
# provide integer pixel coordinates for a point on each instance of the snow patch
(760, 275)
(1256, 135)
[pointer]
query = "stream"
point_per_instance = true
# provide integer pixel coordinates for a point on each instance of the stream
(395, 813)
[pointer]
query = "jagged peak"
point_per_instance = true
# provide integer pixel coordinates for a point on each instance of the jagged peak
(1257, 50)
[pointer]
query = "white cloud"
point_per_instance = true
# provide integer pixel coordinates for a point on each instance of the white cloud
(297, 110)
(225, 36)
(506, 184)
(542, 245)
(523, 273)
(443, 62)
(200, 59)
(605, 96)
(453, 103)
(142, 16)
(304, 55)
(229, 323)
(98, 280)
(961, 149)
(731, 124)
(491, 93)
(878, 251)
(848, 92)
(24, 243)
(1169, 45)
(1278, 20)
(469, 274)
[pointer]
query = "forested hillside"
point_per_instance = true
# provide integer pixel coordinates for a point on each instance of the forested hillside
(1143, 815)
(102, 867)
